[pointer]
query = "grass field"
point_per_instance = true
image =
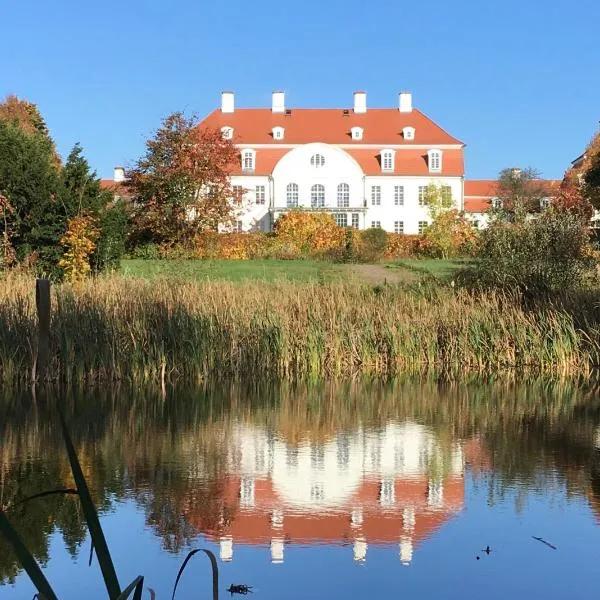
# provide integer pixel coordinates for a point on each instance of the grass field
(303, 271)
(440, 269)
(235, 270)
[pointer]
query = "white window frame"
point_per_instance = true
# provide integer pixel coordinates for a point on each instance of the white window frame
(317, 196)
(278, 133)
(292, 195)
(260, 194)
(398, 195)
(545, 203)
(317, 161)
(227, 132)
(355, 220)
(387, 160)
(423, 225)
(341, 219)
(248, 160)
(434, 160)
(343, 195)
(237, 192)
(375, 224)
(422, 194)
(447, 189)
(357, 133)
(398, 226)
(496, 203)
(375, 195)
(408, 133)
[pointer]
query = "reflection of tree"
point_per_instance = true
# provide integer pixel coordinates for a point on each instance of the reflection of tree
(170, 454)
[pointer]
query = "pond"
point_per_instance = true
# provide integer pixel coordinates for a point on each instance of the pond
(363, 490)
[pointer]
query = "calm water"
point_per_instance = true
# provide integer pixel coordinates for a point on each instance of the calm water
(360, 491)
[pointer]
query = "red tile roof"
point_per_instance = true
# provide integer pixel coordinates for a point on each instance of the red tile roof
(479, 192)
(382, 126)
(408, 162)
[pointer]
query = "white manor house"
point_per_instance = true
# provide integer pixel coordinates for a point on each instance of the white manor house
(368, 167)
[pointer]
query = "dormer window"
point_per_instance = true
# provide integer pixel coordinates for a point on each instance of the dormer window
(408, 133)
(248, 160)
(227, 132)
(496, 203)
(387, 160)
(357, 133)
(278, 133)
(435, 161)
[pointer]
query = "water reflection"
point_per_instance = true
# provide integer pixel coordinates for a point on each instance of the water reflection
(393, 485)
(356, 466)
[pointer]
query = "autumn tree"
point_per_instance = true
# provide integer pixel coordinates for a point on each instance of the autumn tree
(591, 173)
(570, 197)
(438, 199)
(79, 242)
(520, 192)
(181, 186)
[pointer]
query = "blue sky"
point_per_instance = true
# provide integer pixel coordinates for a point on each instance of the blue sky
(516, 80)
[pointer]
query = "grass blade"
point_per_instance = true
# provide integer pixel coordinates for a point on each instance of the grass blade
(215, 571)
(136, 585)
(26, 559)
(91, 516)
(42, 495)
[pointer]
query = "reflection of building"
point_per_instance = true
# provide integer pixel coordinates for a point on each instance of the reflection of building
(396, 486)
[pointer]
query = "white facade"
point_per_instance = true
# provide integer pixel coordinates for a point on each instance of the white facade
(370, 200)
(312, 162)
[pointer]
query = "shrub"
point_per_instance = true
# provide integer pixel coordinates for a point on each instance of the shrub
(400, 245)
(551, 253)
(373, 244)
(314, 234)
(450, 236)
(146, 252)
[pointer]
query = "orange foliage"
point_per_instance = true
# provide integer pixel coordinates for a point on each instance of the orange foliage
(403, 246)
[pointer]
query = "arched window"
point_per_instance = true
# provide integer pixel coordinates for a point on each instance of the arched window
(408, 133)
(227, 132)
(317, 160)
(357, 133)
(278, 133)
(343, 195)
(317, 196)
(291, 195)
(248, 160)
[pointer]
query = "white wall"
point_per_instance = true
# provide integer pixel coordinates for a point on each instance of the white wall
(254, 217)
(411, 213)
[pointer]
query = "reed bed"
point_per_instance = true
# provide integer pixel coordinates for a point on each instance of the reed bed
(125, 329)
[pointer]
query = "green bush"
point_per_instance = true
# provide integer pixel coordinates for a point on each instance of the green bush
(147, 252)
(544, 255)
(373, 244)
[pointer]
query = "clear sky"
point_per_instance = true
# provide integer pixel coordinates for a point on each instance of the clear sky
(517, 80)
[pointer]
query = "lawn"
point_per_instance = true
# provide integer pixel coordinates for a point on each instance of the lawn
(438, 268)
(235, 270)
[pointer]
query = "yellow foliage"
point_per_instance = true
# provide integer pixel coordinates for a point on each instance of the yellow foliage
(79, 242)
(309, 231)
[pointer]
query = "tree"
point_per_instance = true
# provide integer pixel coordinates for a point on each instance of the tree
(570, 197)
(591, 173)
(181, 185)
(438, 199)
(79, 243)
(29, 180)
(82, 194)
(520, 192)
(450, 235)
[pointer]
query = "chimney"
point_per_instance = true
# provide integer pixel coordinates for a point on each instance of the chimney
(360, 102)
(227, 102)
(119, 175)
(278, 105)
(405, 102)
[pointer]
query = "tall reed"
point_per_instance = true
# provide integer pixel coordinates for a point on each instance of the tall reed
(115, 328)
